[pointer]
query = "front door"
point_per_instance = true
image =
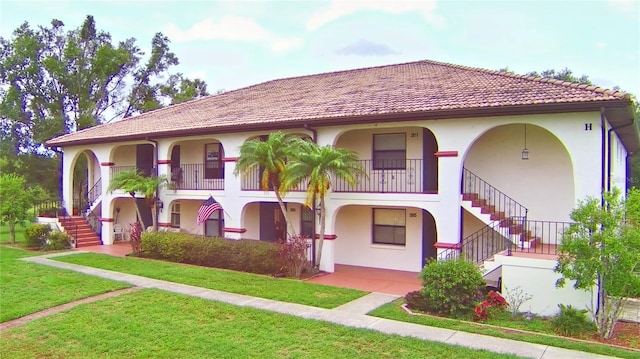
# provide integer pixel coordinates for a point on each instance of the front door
(145, 212)
(429, 237)
(144, 159)
(272, 226)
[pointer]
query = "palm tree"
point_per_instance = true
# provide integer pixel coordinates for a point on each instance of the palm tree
(132, 182)
(318, 166)
(270, 156)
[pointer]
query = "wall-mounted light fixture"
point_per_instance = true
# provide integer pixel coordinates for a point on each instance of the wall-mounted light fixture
(525, 151)
(159, 204)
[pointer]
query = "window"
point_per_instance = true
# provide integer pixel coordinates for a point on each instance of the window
(214, 224)
(213, 165)
(308, 222)
(389, 226)
(389, 151)
(175, 215)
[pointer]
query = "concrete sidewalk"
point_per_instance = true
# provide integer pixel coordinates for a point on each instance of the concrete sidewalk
(352, 314)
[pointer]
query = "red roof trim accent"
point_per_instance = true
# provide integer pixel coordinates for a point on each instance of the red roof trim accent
(103, 219)
(105, 164)
(164, 162)
(330, 237)
(443, 245)
(229, 159)
(446, 154)
(234, 230)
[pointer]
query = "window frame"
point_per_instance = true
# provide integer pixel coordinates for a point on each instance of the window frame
(393, 241)
(385, 163)
(175, 214)
(216, 219)
(213, 164)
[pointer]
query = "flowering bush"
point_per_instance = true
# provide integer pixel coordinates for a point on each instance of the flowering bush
(135, 235)
(493, 305)
(293, 255)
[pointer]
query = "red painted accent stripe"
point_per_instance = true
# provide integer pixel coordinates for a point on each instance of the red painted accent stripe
(330, 237)
(229, 159)
(107, 164)
(164, 224)
(103, 219)
(234, 230)
(446, 154)
(164, 162)
(443, 245)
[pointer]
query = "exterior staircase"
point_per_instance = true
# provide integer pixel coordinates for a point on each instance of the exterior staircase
(78, 228)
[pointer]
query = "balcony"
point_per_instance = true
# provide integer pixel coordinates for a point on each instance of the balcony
(407, 180)
(196, 176)
(188, 177)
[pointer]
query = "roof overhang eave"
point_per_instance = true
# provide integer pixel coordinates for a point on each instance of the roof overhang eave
(488, 111)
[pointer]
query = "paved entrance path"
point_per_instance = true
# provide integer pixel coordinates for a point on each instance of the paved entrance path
(352, 314)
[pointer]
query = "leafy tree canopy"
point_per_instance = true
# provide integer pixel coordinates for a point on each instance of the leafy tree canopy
(55, 81)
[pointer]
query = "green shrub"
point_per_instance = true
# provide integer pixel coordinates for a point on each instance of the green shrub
(36, 235)
(571, 321)
(415, 301)
(451, 287)
(57, 240)
(241, 255)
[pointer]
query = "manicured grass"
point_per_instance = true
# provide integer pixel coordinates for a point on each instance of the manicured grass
(286, 290)
(395, 312)
(5, 235)
(156, 324)
(28, 287)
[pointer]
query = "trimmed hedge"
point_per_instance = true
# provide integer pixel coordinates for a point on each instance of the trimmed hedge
(239, 255)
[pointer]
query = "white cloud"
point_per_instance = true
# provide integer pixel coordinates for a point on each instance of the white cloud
(340, 8)
(232, 28)
(601, 45)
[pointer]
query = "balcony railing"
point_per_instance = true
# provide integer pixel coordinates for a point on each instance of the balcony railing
(407, 180)
(194, 176)
(251, 182)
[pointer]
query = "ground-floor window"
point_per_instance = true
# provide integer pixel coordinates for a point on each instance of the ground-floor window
(389, 226)
(214, 224)
(175, 215)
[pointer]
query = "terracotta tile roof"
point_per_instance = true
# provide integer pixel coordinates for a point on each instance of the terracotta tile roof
(423, 86)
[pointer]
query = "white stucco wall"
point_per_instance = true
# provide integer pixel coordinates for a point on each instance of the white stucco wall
(354, 243)
(537, 278)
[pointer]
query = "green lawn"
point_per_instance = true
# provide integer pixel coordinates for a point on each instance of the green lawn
(286, 290)
(156, 324)
(28, 288)
(6, 238)
(395, 312)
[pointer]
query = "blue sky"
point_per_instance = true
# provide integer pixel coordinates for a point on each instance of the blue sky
(232, 44)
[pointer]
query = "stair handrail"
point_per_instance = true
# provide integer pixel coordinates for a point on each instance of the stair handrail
(473, 184)
(71, 230)
(480, 245)
(94, 193)
(94, 223)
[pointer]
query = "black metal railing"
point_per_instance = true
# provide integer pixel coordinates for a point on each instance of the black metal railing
(94, 222)
(195, 176)
(94, 193)
(251, 182)
(494, 200)
(399, 180)
(510, 235)
(70, 228)
(117, 169)
(49, 208)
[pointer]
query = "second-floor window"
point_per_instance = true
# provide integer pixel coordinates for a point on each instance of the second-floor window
(213, 165)
(389, 151)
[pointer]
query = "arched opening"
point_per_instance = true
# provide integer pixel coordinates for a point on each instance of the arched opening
(429, 237)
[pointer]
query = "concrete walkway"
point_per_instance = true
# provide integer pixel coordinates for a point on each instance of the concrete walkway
(352, 314)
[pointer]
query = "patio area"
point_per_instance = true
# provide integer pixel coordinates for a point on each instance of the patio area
(368, 279)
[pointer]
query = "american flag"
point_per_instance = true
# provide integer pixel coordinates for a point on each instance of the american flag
(206, 208)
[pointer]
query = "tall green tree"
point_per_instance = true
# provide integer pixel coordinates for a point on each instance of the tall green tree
(601, 253)
(133, 182)
(270, 156)
(316, 167)
(55, 80)
(16, 201)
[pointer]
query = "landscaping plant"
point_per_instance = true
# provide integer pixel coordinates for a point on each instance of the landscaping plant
(516, 298)
(36, 235)
(491, 307)
(293, 255)
(451, 287)
(571, 321)
(601, 252)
